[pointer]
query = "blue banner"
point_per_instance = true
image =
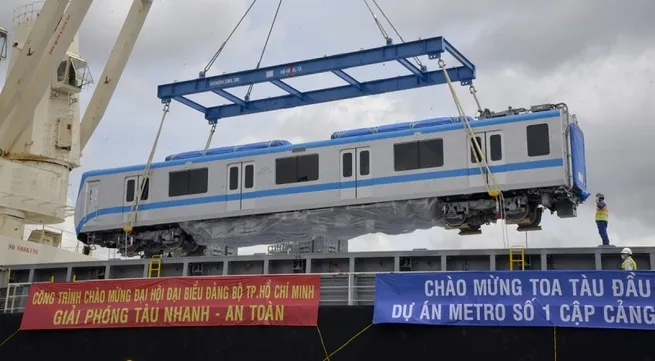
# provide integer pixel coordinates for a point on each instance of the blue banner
(597, 299)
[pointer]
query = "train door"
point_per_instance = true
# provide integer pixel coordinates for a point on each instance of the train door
(233, 189)
(491, 144)
(91, 202)
(347, 178)
(130, 191)
(248, 185)
(496, 155)
(363, 165)
(355, 167)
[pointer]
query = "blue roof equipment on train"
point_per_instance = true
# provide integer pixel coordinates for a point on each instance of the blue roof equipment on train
(228, 149)
(425, 123)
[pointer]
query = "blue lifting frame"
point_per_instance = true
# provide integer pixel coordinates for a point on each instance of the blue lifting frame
(336, 64)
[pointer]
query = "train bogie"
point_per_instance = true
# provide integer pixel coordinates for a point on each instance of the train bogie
(392, 179)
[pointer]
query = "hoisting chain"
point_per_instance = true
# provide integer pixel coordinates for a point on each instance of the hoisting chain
(474, 92)
(144, 178)
(209, 139)
(480, 156)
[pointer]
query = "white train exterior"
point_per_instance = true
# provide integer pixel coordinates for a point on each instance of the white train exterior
(393, 182)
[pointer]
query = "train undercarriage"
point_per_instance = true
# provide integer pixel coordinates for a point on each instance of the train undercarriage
(522, 207)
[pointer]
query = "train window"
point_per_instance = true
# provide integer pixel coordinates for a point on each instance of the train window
(129, 191)
(250, 176)
(538, 139)
(475, 151)
(430, 153)
(296, 169)
(347, 170)
(364, 163)
(405, 156)
(418, 155)
(286, 170)
(234, 178)
(178, 183)
(146, 190)
(187, 182)
(308, 168)
(198, 180)
(495, 148)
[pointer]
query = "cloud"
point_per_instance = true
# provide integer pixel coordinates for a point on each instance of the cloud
(593, 55)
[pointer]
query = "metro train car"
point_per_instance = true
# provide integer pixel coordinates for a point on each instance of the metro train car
(393, 179)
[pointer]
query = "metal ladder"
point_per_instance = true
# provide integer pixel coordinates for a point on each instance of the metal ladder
(154, 266)
(517, 258)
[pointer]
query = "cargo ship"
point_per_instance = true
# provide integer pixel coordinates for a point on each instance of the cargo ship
(345, 330)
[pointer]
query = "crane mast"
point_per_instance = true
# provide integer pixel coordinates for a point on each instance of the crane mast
(41, 135)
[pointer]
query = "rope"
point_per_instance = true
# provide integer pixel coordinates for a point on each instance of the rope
(327, 358)
(489, 177)
(320, 336)
(9, 338)
(416, 59)
(554, 343)
(144, 179)
(479, 154)
(268, 37)
(218, 52)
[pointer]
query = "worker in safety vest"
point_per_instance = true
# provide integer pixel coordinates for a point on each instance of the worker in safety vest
(602, 215)
(629, 263)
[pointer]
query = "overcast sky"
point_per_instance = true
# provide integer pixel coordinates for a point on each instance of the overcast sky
(594, 55)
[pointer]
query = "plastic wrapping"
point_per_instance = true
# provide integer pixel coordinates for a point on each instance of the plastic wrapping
(228, 149)
(391, 218)
(398, 126)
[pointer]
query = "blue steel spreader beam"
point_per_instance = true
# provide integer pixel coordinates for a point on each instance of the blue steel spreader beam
(336, 64)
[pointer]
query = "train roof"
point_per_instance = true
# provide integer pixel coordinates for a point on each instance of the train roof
(325, 143)
(228, 149)
(425, 123)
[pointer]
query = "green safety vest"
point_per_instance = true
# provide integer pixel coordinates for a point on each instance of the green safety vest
(632, 261)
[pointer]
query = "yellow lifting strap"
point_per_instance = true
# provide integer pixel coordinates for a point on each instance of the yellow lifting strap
(490, 182)
(129, 225)
(479, 153)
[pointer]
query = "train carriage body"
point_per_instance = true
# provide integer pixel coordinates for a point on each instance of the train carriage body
(393, 179)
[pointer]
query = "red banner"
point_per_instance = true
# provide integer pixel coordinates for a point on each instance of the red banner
(278, 300)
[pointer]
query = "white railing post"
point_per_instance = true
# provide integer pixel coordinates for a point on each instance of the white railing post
(351, 284)
(7, 298)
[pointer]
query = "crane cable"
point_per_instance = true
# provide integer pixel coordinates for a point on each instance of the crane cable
(416, 59)
(485, 172)
(212, 131)
(220, 49)
(377, 22)
(261, 56)
(495, 192)
(144, 179)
